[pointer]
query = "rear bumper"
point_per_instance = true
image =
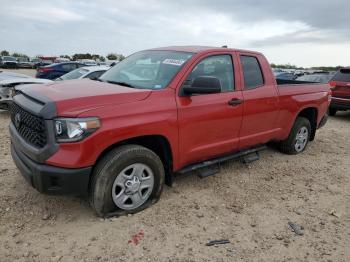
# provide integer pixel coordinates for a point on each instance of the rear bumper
(50, 179)
(340, 103)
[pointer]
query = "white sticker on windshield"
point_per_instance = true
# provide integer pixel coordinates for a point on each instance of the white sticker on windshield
(177, 62)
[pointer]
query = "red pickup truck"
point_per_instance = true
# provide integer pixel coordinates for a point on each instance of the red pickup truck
(158, 113)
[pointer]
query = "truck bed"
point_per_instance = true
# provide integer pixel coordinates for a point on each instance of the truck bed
(293, 87)
(293, 82)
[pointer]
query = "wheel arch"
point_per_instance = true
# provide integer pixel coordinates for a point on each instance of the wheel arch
(310, 113)
(157, 143)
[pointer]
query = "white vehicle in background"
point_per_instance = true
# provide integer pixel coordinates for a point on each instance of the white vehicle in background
(61, 60)
(8, 82)
(111, 62)
(92, 72)
(88, 62)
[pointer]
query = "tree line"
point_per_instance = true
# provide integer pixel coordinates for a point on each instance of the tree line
(75, 57)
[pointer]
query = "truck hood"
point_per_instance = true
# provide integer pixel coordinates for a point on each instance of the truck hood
(77, 96)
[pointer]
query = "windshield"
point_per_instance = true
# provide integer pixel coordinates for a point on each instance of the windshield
(75, 74)
(9, 58)
(147, 69)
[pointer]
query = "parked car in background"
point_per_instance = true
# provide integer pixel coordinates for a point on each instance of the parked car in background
(9, 62)
(157, 113)
(88, 62)
(285, 76)
(111, 62)
(316, 78)
(91, 72)
(24, 62)
(340, 91)
(35, 62)
(61, 60)
(42, 63)
(54, 71)
(9, 80)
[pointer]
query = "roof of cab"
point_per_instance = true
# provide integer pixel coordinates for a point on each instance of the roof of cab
(200, 49)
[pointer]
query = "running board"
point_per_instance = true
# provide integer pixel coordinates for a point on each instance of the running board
(208, 171)
(250, 158)
(218, 160)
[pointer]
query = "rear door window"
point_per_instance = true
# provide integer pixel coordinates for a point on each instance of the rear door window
(343, 75)
(253, 76)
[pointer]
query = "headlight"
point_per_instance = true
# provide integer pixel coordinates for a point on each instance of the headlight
(75, 129)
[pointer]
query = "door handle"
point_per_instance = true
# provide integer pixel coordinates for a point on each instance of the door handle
(235, 102)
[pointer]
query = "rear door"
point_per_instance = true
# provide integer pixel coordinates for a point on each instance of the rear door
(260, 97)
(209, 124)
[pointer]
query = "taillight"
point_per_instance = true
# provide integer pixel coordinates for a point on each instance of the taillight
(329, 95)
(44, 69)
(333, 83)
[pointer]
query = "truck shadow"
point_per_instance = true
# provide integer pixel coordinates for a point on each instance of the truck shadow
(343, 116)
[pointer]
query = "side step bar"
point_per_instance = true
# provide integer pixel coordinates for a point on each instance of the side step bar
(210, 163)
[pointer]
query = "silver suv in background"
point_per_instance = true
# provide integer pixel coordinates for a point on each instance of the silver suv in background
(8, 62)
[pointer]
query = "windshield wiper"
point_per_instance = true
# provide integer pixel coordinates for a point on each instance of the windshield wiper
(120, 83)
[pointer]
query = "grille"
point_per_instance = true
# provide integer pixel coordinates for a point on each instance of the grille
(30, 127)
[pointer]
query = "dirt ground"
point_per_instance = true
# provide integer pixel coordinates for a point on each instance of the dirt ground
(29, 72)
(248, 204)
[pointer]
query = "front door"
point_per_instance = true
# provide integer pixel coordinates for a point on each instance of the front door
(209, 124)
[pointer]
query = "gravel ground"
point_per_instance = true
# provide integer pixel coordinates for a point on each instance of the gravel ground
(29, 72)
(248, 204)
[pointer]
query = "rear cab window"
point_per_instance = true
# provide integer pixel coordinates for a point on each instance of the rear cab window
(253, 76)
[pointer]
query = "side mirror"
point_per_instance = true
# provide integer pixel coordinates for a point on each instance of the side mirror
(203, 85)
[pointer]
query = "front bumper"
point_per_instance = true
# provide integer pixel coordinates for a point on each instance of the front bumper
(50, 179)
(340, 103)
(10, 65)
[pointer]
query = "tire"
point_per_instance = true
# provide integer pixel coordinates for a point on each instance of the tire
(299, 129)
(332, 111)
(106, 190)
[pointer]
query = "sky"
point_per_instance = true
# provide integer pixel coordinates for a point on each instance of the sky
(301, 32)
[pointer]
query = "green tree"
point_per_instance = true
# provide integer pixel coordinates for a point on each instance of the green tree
(81, 56)
(19, 55)
(114, 56)
(5, 53)
(66, 56)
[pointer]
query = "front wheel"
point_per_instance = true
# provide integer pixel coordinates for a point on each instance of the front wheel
(127, 180)
(298, 137)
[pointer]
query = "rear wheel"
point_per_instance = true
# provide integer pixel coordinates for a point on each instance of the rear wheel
(332, 111)
(127, 180)
(298, 137)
